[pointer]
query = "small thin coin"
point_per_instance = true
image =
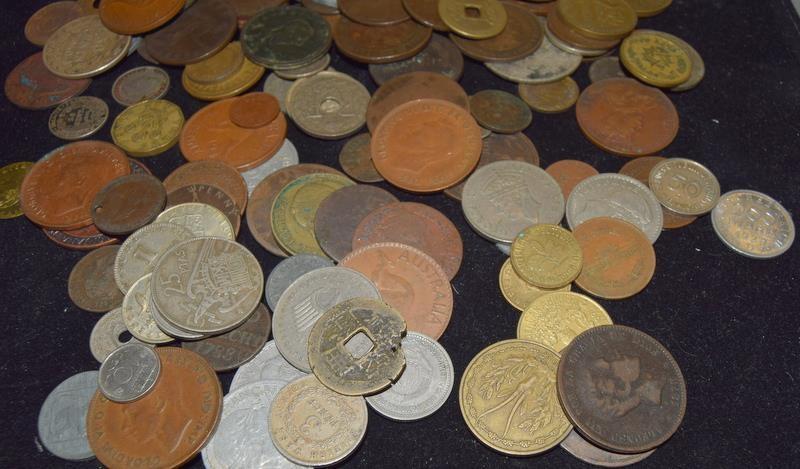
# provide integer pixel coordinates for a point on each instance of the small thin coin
(30, 85)
(655, 59)
(83, 48)
(521, 37)
(140, 84)
(217, 67)
(684, 186)
(604, 68)
(138, 316)
(201, 219)
(569, 173)
(517, 291)
(91, 283)
(107, 335)
(474, 19)
(254, 110)
(209, 195)
(374, 12)
(78, 117)
(577, 446)
(263, 38)
(439, 56)
(547, 64)
(753, 224)
(11, 177)
(289, 270)
(550, 98)
(138, 254)
(356, 160)
(148, 128)
(555, 319)
(639, 169)
(269, 364)
(129, 373)
(62, 417)
(48, 19)
(286, 156)
(328, 105)
(546, 256)
(380, 44)
(211, 173)
(128, 203)
(500, 111)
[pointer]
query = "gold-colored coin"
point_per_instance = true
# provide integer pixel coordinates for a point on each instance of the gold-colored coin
(295, 207)
(474, 19)
(557, 318)
(698, 66)
(11, 177)
(84, 47)
(557, 96)
(218, 67)
(508, 398)
(645, 8)
(517, 291)
(609, 19)
(244, 78)
(148, 128)
(546, 256)
(655, 59)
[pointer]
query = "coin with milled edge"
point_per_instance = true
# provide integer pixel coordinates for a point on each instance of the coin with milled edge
(148, 128)
(128, 203)
(555, 319)
(62, 418)
(546, 256)
(684, 186)
(264, 37)
(328, 105)
(577, 446)
(547, 64)
(698, 66)
(209, 195)
(605, 67)
(289, 270)
(138, 316)
(106, 335)
(201, 219)
(129, 373)
(140, 84)
(268, 365)
(84, 47)
(656, 60)
(753, 224)
(138, 254)
(78, 117)
(439, 56)
(517, 291)
(286, 156)
(356, 160)
(461, 16)
(91, 283)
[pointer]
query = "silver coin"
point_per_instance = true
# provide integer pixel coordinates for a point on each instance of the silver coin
(306, 70)
(569, 48)
(137, 314)
(202, 220)
(505, 248)
(439, 56)
(138, 254)
(78, 117)
(577, 446)
(753, 224)
(140, 84)
(278, 87)
(547, 64)
(286, 156)
(167, 327)
(105, 336)
(305, 300)
(62, 418)
(505, 197)
(269, 364)
(328, 105)
(616, 196)
(289, 270)
(242, 438)
(684, 186)
(129, 373)
(423, 387)
(604, 68)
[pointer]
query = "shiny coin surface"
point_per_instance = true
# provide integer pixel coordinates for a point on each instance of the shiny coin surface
(129, 373)
(374, 12)
(217, 67)
(11, 177)
(639, 169)
(84, 47)
(128, 203)
(48, 19)
(546, 256)
(123, 17)
(289, 270)
(106, 333)
(684, 186)
(138, 316)
(254, 110)
(698, 65)
(517, 291)
(439, 56)
(500, 111)
(138, 254)
(79, 117)
(201, 219)
(569, 173)
(555, 319)
(62, 418)
(286, 156)
(753, 224)
(549, 98)
(243, 79)
(209, 195)
(30, 85)
(140, 84)
(380, 44)
(263, 38)
(148, 128)
(610, 19)
(656, 60)
(577, 446)
(521, 37)
(328, 105)
(268, 365)
(356, 160)
(210, 173)
(91, 283)
(605, 67)
(547, 64)
(480, 19)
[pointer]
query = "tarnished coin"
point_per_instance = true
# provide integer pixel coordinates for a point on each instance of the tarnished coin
(138, 316)
(210, 173)
(140, 84)
(91, 283)
(244, 78)
(11, 177)
(505, 377)
(554, 97)
(254, 110)
(201, 219)
(639, 169)
(547, 64)
(306, 70)
(517, 291)
(323, 7)
(356, 160)
(84, 47)
(107, 335)
(505, 197)
(566, 37)
(78, 117)
(264, 37)
(477, 19)
(169, 328)
(426, 12)
(753, 224)
(124, 17)
(380, 44)
(48, 19)
(62, 418)
(328, 105)
(555, 319)
(621, 388)
(128, 203)
(546, 256)
(82, 239)
(698, 66)
(246, 9)
(138, 255)
(500, 111)
(575, 445)
(569, 173)
(30, 85)
(217, 67)
(439, 56)
(129, 373)
(278, 87)
(148, 128)
(656, 60)
(286, 156)
(209, 195)
(684, 186)
(611, 19)
(374, 12)
(268, 365)
(605, 67)
(521, 37)
(289, 270)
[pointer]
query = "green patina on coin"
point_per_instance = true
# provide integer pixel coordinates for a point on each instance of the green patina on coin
(286, 37)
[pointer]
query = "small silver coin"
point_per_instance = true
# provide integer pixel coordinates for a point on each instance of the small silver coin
(439, 56)
(286, 156)
(269, 364)
(62, 418)
(753, 224)
(546, 65)
(684, 186)
(278, 87)
(78, 117)
(129, 373)
(289, 270)
(140, 84)
(105, 336)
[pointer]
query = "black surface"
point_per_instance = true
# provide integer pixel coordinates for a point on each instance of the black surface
(731, 322)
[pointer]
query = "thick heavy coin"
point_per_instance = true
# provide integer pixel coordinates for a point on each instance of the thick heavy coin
(607, 20)
(547, 64)
(209, 195)
(264, 37)
(374, 12)
(618, 259)
(91, 283)
(410, 281)
(289, 270)
(479, 19)
(11, 177)
(639, 169)
(655, 59)
(169, 328)
(48, 19)
(684, 186)
(753, 224)
(84, 48)
(148, 128)
(57, 193)
(138, 316)
(521, 37)
(238, 346)
(30, 85)
(286, 156)
(307, 70)
(503, 378)
(107, 335)
(646, 8)
(140, 84)
(78, 117)
(380, 44)
(417, 225)
(616, 196)
(500, 111)
(577, 446)
(570, 39)
(278, 87)
(62, 418)
(201, 219)
(124, 17)
(308, 298)
(569, 173)
(268, 365)
(356, 160)
(198, 33)
(698, 66)
(243, 79)
(185, 402)
(254, 110)
(210, 173)
(439, 56)
(554, 97)
(128, 203)
(129, 373)
(587, 54)
(517, 291)
(217, 67)
(503, 198)
(426, 12)
(340, 213)
(82, 239)
(621, 389)
(555, 319)
(328, 105)
(546, 256)
(138, 255)
(605, 67)
(307, 400)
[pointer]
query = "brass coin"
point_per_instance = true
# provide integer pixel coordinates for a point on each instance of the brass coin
(380, 44)
(11, 177)
(698, 66)
(248, 75)
(555, 319)
(500, 111)
(148, 128)
(609, 19)
(218, 67)
(79, 117)
(356, 160)
(547, 256)
(550, 98)
(646, 8)
(328, 105)
(474, 19)
(84, 48)
(517, 291)
(655, 59)
(521, 37)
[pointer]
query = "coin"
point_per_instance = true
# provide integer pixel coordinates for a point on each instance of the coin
(521, 37)
(268, 365)
(380, 44)
(62, 418)
(639, 169)
(356, 161)
(569, 173)
(575, 445)
(11, 177)
(439, 56)
(209, 195)
(30, 85)
(425, 12)
(246, 9)
(210, 173)
(479, 19)
(106, 335)
(645, 8)
(91, 282)
(201, 219)
(82, 239)
(546, 256)
(138, 316)
(648, 388)
(289, 270)
(328, 105)
(84, 48)
(302, 304)
(698, 66)
(507, 376)
(500, 111)
(263, 39)
(587, 53)
(605, 67)
(374, 12)
(684, 186)
(124, 17)
(278, 87)
(286, 156)
(254, 110)
(547, 64)
(128, 203)
(243, 79)
(140, 84)
(148, 128)
(517, 291)
(169, 328)
(129, 373)
(753, 224)
(554, 97)
(42, 24)
(610, 19)
(417, 225)
(186, 402)
(138, 254)
(307, 70)
(555, 319)
(655, 59)
(217, 67)
(323, 7)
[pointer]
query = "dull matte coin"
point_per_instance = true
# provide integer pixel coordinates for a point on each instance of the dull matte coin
(278, 87)
(91, 283)
(220, 66)
(269, 364)
(201, 219)
(62, 418)
(128, 203)
(684, 186)
(306, 70)
(138, 254)
(289, 270)
(548, 63)
(439, 56)
(209, 195)
(48, 19)
(285, 37)
(554, 97)
(140, 84)
(521, 37)
(78, 117)
(356, 160)
(374, 12)
(129, 373)
(30, 85)
(605, 67)
(753, 224)
(475, 19)
(212, 173)
(82, 239)
(254, 110)
(577, 446)
(500, 111)
(107, 335)
(167, 327)
(380, 44)
(286, 156)
(328, 105)
(569, 173)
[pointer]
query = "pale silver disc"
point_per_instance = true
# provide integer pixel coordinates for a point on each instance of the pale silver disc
(129, 373)
(753, 224)
(278, 87)
(269, 364)
(62, 418)
(104, 338)
(286, 156)
(289, 270)
(546, 65)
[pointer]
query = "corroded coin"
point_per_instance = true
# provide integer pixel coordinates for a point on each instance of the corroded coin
(209, 195)
(11, 177)
(753, 224)
(356, 160)
(374, 12)
(521, 37)
(124, 17)
(217, 67)
(201, 219)
(639, 169)
(265, 37)
(656, 60)
(328, 105)
(128, 203)
(698, 66)
(106, 335)
(477, 19)
(78, 117)
(138, 316)
(425, 12)
(380, 44)
(30, 85)
(546, 256)
(517, 291)
(243, 79)
(500, 111)
(577, 446)
(289, 270)
(439, 56)
(286, 156)
(684, 186)
(254, 110)
(268, 365)
(91, 282)
(609, 19)
(555, 319)
(84, 48)
(605, 67)
(569, 173)
(306, 70)
(48, 19)
(148, 128)
(138, 255)
(62, 418)
(210, 173)
(82, 239)
(129, 373)
(547, 64)
(554, 97)
(140, 84)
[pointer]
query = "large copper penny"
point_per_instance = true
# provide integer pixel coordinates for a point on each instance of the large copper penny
(380, 44)
(199, 32)
(625, 117)
(165, 428)
(30, 85)
(42, 24)
(212, 173)
(500, 111)
(128, 203)
(439, 56)
(254, 110)
(520, 38)
(57, 193)
(639, 168)
(356, 160)
(82, 239)
(618, 259)
(426, 12)
(91, 284)
(416, 225)
(568, 173)
(210, 195)
(374, 12)
(126, 17)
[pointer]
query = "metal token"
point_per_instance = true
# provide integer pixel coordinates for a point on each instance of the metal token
(11, 177)
(105, 336)
(82, 239)
(212, 173)
(575, 445)
(555, 319)
(209, 195)
(521, 37)
(286, 156)
(263, 38)
(138, 254)
(605, 67)
(128, 203)
(459, 15)
(62, 418)
(78, 117)
(289, 270)
(129, 373)
(516, 290)
(546, 256)
(268, 365)
(439, 56)
(554, 97)
(500, 111)
(138, 316)
(753, 224)
(684, 186)
(547, 64)
(140, 84)
(201, 219)
(356, 160)
(380, 44)
(84, 47)
(91, 283)
(328, 105)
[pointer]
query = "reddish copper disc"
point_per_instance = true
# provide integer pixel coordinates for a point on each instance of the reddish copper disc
(254, 110)
(568, 173)
(520, 38)
(126, 17)
(210, 195)
(82, 239)
(374, 12)
(639, 169)
(49, 18)
(32, 86)
(213, 173)
(625, 117)
(380, 44)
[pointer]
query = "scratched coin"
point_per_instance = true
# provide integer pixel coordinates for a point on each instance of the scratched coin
(78, 117)
(753, 224)
(62, 418)
(268, 365)
(289, 270)
(129, 372)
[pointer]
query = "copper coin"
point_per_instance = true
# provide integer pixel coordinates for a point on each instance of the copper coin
(131, 18)
(639, 169)
(30, 85)
(618, 259)
(199, 32)
(91, 284)
(439, 56)
(416, 225)
(500, 111)
(211, 135)
(374, 12)
(380, 44)
(238, 346)
(568, 173)
(259, 210)
(554, 97)
(410, 281)
(572, 37)
(411, 86)
(42, 24)
(245, 9)
(212, 173)
(521, 37)
(254, 110)
(540, 8)
(128, 203)
(340, 213)
(82, 239)
(356, 160)
(318, 6)
(57, 193)
(210, 195)
(165, 428)
(501, 147)
(426, 12)
(625, 117)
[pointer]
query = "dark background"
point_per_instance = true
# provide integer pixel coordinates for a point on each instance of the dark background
(731, 322)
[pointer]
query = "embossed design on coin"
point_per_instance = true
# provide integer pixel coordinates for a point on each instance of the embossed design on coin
(575, 445)
(698, 66)
(209, 195)
(500, 111)
(289, 270)
(138, 316)
(547, 256)
(461, 16)
(328, 105)
(62, 418)
(684, 186)
(555, 319)
(140, 84)
(554, 97)
(517, 291)
(268, 365)
(11, 177)
(212, 173)
(609, 18)
(78, 117)
(91, 282)
(380, 44)
(139, 253)
(639, 169)
(105, 336)
(201, 219)
(655, 59)
(753, 224)
(129, 373)
(148, 128)
(84, 47)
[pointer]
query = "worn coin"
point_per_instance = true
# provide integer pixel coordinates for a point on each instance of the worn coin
(264, 37)
(11, 177)
(521, 37)
(655, 59)
(356, 160)
(201, 219)
(605, 67)
(555, 319)
(753, 224)
(611, 19)
(138, 316)
(569, 173)
(588, 54)
(289, 270)
(82, 239)
(243, 79)
(439, 56)
(547, 64)
(129, 373)
(30, 85)
(209, 195)
(217, 67)
(84, 48)
(140, 84)
(380, 44)
(268, 365)
(306, 70)
(328, 105)
(48, 19)
(425, 12)
(246, 9)
(517, 291)
(575, 445)
(546, 256)
(148, 128)
(698, 66)
(62, 418)
(210, 173)
(285, 157)
(554, 97)
(91, 282)
(684, 186)
(107, 335)
(124, 17)
(254, 110)
(639, 169)
(169, 328)
(477, 19)
(323, 7)
(500, 111)
(278, 87)
(566, 37)
(374, 12)
(128, 203)
(138, 254)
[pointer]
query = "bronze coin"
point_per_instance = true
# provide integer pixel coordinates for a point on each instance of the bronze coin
(30, 85)
(500, 111)
(82, 239)
(91, 284)
(439, 56)
(374, 12)
(557, 26)
(501, 147)
(426, 12)
(259, 210)
(128, 203)
(568, 173)
(210, 195)
(416, 225)
(199, 32)
(380, 44)
(254, 110)
(213, 173)
(340, 213)
(356, 160)
(42, 24)
(238, 346)
(639, 169)
(521, 37)
(411, 86)
(550, 98)
(539, 9)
